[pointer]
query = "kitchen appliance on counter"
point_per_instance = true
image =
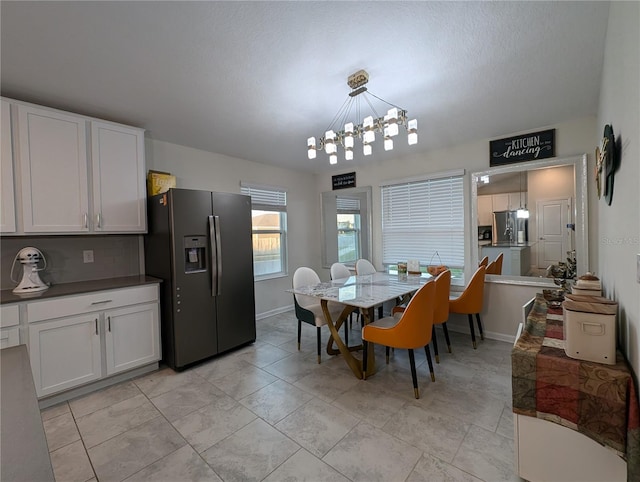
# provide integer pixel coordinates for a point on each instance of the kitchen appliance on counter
(509, 229)
(200, 244)
(30, 258)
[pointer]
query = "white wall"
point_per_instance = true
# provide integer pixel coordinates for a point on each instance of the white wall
(619, 233)
(196, 169)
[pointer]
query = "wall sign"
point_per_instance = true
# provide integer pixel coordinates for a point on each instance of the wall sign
(343, 181)
(526, 147)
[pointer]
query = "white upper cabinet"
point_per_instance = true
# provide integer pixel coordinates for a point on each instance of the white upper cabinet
(500, 202)
(118, 198)
(52, 156)
(7, 209)
(75, 174)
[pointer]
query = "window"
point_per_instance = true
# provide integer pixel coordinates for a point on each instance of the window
(424, 219)
(269, 230)
(348, 223)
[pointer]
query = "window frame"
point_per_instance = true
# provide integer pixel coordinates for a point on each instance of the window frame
(269, 199)
(431, 187)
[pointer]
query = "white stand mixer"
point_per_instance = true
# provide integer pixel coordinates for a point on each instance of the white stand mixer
(31, 282)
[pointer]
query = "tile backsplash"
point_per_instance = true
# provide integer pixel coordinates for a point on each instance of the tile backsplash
(113, 256)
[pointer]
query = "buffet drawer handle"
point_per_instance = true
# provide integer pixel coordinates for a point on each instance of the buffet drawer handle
(101, 302)
(96, 326)
(109, 323)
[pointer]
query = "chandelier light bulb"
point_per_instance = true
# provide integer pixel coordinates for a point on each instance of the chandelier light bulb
(311, 153)
(333, 159)
(367, 150)
(348, 128)
(348, 142)
(412, 127)
(388, 144)
(348, 154)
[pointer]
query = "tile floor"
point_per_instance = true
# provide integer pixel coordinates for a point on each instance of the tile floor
(268, 412)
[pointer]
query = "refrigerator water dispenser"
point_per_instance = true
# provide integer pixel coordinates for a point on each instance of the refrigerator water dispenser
(195, 254)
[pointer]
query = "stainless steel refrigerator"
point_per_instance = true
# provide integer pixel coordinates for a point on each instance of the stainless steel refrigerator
(199, 243)
(509, 229)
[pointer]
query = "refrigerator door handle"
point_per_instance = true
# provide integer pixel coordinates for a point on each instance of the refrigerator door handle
(216, 255)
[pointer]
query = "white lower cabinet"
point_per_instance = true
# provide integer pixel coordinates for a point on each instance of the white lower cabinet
(65, 353)
(9, 325)
(132, 337)
(69, 347)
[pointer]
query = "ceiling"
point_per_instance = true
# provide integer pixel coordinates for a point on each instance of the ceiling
(254, 80)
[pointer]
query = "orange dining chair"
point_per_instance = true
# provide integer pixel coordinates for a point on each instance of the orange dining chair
(410, 330)
(308, 308)
(440, 311)
(470, 302)
(484, 262)
(495, 267)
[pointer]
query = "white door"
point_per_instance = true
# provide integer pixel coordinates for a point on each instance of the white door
(7, 210)
(119, 196)
(553, 235)
(53, 164)
(65, 353)
(132, 337)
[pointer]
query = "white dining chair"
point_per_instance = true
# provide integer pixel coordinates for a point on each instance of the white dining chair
(364, 266)
(340, 271)
(308, 308)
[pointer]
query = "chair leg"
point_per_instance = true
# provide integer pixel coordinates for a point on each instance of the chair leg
(318, 341)
(428, 353)
(479, 326)
(346, 333)
(473, 332)
(299, 333)
(365, 346)
(387, 349)
(446, 336)
(380, 312)
(414, 376)
(435, 343)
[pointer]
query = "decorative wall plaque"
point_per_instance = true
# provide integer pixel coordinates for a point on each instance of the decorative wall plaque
(526, 147)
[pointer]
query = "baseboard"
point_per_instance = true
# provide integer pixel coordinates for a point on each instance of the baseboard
(95, 386)
(491, 335)
(275, 311)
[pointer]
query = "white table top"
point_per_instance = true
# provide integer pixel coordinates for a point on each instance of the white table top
(365, 291)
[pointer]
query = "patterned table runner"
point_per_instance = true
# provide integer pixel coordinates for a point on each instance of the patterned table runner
(597, 400)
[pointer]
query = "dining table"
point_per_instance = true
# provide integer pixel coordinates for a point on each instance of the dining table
(363, 293)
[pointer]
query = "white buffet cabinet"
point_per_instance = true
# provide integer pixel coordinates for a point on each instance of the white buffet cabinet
(547, 451)
(76, 340)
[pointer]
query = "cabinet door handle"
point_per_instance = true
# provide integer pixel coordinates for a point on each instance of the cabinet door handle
(101, 302)
(109, 322)
(86, 221)
(99, 221)
(96, 326)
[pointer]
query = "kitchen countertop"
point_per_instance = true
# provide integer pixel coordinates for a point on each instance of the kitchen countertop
(25, 454)
(80, 287)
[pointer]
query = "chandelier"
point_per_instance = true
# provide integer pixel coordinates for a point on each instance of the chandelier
(347, 132)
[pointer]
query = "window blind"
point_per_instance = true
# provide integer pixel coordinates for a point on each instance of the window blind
(347, 205)
(422, 218)
(265, 198)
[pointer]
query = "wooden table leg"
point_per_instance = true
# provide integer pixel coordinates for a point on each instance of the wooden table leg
(354, 363)
(369, 316)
